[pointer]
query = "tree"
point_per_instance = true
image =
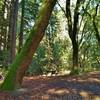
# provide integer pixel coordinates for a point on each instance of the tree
(73, 23)
(22, 25)
(94, 24)
(73, 29)
(75, 19)
(4, 8)
(29, 11)
(12, 30)
(88, 48)
(23, 59)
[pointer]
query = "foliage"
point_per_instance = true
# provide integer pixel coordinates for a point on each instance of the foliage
(55, 50)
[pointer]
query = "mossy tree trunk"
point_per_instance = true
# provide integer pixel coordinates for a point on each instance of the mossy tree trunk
(23, 59)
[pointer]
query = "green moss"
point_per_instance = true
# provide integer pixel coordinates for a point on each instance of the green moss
(9, 82)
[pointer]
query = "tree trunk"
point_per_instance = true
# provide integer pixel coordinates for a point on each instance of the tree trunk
(3, 27)
(73, 23)
(21, 26)
(12, 31)
(75, 55)
(23, 59)
(3, 33)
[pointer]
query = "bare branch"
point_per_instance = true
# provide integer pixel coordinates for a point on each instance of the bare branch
(85, 9)
(95, 27)
(82, 35)
(93, 17)
(61, 8)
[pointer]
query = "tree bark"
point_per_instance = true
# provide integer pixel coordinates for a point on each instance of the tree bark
(3, 28)
(12, 30)
(73, 30)
(75, 55)
(22, 61)
(3, 33)
(21, 26)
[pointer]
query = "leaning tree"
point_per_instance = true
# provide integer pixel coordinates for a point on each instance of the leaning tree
(17, 70)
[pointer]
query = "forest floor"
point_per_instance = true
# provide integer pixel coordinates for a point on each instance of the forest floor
(81, 87)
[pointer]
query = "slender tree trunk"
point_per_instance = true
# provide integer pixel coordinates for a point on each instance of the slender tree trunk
(3, 27)
(2, 23)
(12, 30)
(23, 59)
(21, 27)
(3, 33)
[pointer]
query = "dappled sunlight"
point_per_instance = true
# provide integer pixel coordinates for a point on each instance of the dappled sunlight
(91, 80)
(67, 86)
(58, 91)
(49, 50)
(45, 97)
(96, 98)
(94, 80)
(84, 94)
(84, 87)
(88, 96)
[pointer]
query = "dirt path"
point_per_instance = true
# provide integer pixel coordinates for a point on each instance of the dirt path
(85, 87)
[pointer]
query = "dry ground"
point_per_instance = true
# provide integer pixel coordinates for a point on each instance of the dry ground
(83, 87)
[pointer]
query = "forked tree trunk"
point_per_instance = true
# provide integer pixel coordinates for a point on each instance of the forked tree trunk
(73, 23)
(23, 59)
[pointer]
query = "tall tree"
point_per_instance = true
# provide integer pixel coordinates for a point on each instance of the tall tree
(23, 59)
(12, 30)
(22, 25)
(73, 23)
(73, 29)
(3, 27)
(3, 31)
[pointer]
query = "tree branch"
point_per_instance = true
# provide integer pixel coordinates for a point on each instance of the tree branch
(76, 18)
(93, 17)
(95, 27)
(85, 9)
(61, 8)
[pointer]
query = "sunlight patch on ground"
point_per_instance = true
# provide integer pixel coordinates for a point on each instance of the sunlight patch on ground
(89, 96)
(45, 97)
(84, 94)
(94, 80)
(58, 91)
(96, 98)
(89, 79)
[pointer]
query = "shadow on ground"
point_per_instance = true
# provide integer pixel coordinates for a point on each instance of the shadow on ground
(84, 87)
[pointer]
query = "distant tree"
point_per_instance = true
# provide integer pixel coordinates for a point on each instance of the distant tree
(22, 25)
(4, 8)
(88, 47)
(73, 27)
(12, 30)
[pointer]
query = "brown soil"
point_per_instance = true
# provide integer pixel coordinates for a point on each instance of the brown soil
(83, 87)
